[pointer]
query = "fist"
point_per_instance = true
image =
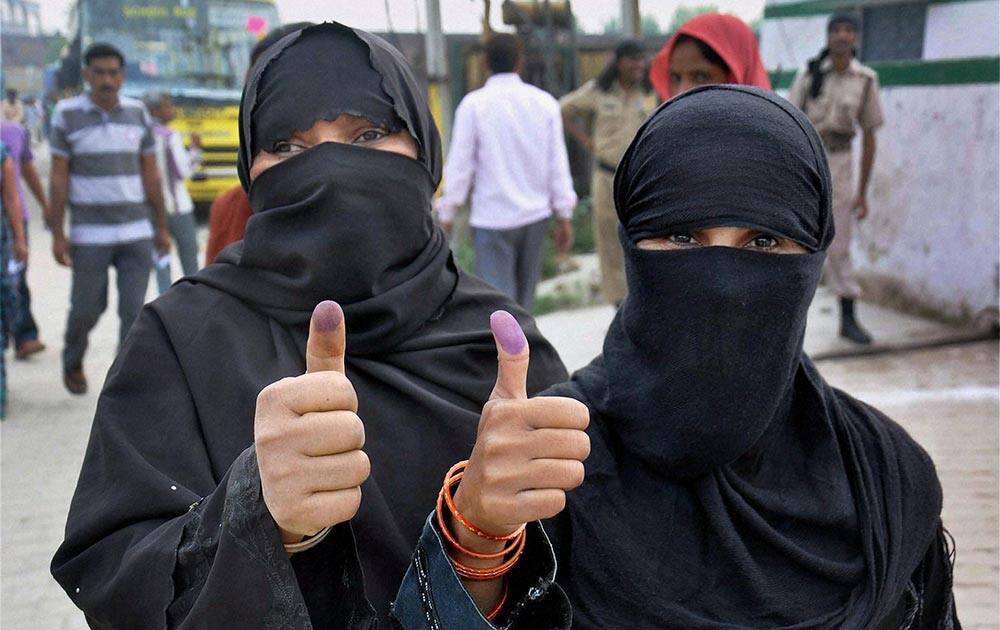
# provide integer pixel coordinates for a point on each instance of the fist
(161, 242)
(61, 250)
(528, 452)
(308, 437)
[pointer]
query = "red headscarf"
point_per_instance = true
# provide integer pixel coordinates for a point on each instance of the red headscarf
(729, 37)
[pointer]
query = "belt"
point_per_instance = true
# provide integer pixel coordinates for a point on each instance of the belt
(607, 168)
(837, 142)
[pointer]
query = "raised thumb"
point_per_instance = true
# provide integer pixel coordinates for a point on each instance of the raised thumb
(512, 357)
(327, 338)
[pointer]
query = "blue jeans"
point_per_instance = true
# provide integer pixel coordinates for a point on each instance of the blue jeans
(433, 596)
(8, 305)
(22, 322)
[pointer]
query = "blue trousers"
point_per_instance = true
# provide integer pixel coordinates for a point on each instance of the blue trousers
(22, 322)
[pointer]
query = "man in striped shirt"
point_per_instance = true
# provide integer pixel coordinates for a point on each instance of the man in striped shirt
(104, 165)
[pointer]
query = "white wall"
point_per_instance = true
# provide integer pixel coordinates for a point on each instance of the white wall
(787, 44)
(931, 240)
(962, 29)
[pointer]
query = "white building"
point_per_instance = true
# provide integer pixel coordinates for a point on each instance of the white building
(23, 45)
(20, 17)
(930, 243)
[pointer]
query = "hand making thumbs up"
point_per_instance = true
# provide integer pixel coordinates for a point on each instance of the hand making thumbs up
(308, 437)
(528, 452)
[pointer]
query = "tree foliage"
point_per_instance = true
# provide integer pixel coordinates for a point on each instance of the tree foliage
(683, 14)
(648, 25)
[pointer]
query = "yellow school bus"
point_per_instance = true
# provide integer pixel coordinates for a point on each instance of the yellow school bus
(197, 51)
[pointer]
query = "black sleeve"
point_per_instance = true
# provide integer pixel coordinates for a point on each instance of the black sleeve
(155, 540)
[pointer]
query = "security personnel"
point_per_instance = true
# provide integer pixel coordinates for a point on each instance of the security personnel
(839, 95)
(615, 105)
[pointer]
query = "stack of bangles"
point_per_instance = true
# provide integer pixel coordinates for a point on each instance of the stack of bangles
(510, 554)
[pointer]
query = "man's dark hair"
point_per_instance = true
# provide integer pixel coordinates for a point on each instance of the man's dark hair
(273, 37)
(842, 18)
(101, 50)
(503, 51)
(11, 93)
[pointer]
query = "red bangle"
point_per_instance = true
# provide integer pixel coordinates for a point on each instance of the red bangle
(493, 614)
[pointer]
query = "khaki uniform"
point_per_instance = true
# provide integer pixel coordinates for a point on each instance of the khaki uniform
(614, 117)
(848, 99)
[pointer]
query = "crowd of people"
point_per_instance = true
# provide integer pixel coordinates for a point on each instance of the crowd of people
(332, 425)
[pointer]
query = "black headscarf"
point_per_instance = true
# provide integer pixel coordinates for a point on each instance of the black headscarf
(729, 485)
(167, 520)
(339, 198)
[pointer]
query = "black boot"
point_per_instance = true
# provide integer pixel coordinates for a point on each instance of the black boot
(849, 327)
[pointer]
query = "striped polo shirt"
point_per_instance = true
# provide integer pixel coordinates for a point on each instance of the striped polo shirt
(107, 200)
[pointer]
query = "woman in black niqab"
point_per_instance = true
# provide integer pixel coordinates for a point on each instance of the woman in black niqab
(729, 486)
(167, 527)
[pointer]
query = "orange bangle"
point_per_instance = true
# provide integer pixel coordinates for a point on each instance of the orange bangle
(492, 573)
(446, 532)
(516, 540)
(455, 475)
(493, 614)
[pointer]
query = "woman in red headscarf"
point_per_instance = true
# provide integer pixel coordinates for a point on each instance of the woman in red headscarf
(710, 48)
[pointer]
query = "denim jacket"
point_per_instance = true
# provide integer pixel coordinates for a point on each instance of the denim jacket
(432, 595)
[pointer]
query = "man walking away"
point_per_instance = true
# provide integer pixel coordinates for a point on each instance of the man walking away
(175, 168)
(104, 165)
(837, 92)
(22, 323)
(507, 146)
(614, 106)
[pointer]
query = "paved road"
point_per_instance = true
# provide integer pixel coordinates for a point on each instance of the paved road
(947, 398)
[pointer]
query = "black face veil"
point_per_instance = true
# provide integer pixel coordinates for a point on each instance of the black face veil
(339, 221)
(728, 485)
(714, 335)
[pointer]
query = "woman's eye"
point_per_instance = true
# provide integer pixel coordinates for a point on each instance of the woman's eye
(763, 242)
(681, 239)
(370, 136)
(286, 147)
(702, 77)
(675, 78)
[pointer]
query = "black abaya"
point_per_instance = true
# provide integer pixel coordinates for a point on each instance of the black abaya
(167, 527)
(728, 485)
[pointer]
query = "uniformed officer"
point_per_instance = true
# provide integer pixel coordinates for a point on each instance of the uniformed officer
(839, 94)
(615, 105)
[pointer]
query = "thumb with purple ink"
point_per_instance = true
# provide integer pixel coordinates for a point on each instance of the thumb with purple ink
(512, 358)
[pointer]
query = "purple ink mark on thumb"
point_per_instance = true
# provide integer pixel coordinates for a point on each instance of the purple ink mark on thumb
(508, 332)
(327, 316)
